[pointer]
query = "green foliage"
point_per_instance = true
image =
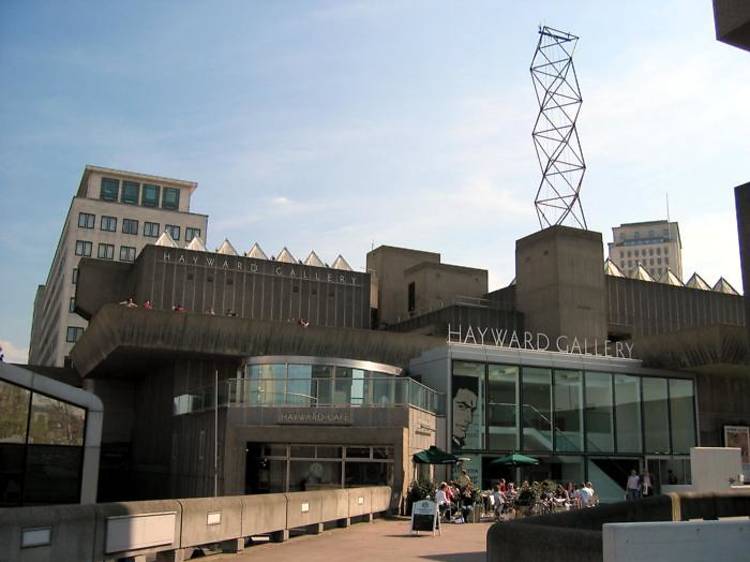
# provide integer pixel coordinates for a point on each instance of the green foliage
(420, 490)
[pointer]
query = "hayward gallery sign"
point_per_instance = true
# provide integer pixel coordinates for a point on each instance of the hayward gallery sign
(539, 341)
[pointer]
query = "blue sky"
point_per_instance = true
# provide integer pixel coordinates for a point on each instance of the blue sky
(337, 125)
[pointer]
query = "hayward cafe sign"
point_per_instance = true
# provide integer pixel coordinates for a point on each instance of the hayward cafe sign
(538, 341)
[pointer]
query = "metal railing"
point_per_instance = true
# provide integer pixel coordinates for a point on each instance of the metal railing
(370, 392)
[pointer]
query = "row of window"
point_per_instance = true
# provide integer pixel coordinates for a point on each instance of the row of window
(651, 234)
(130, 226)
(131, 192)
(104, 252)
(650, 261)
(643, 253)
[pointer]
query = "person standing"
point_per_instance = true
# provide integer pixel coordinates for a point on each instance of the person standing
(633, 487)
(646, 487)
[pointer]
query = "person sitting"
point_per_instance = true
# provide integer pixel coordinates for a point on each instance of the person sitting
(499, 500)
(130, 303)
(147, 305)
(178, 308)
(593, 499)
(442, 500)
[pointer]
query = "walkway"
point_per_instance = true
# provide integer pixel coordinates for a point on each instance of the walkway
(382, 540)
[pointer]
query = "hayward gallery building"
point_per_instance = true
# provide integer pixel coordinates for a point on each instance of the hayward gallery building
(321, 377)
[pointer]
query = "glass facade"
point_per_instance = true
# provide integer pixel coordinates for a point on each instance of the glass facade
(316, 385)
(580, 424)
(279, 467)
(41, 448)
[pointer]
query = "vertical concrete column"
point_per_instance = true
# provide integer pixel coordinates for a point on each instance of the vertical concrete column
(369, 517)
(560, 286)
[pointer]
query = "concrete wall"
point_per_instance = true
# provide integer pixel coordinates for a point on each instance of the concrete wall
(436, 285)
(389, 264)
(96, 533)
(560, 283)
(712, 468)
(685, 541)
(742, 209)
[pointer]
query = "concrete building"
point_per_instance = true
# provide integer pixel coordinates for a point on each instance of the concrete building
(409, 283)
(732, 21)
(112, 216)
(655, 245)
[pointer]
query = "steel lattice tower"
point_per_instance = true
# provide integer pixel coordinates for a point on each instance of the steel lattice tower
(558, 148)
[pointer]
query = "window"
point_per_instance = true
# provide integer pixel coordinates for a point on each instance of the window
(622, 264)
(72, 304)
(666, 260)
(73, 334)
(650, 251)
(635, 253)
(108, 224)
(666, 251)
(621, 254)
(682, 414)
(14, 404)
(658, 251)
(656, 415)
(191, 233)
(130, 192)
(83, 248)
(658, 261)
(600, 427)
(150, 196)
(151, 229)
(86, 220)
(651, 261)
(75, 275)
(171, 198)
(106, 251)
(127, 253)
(129, 226)
(630, 255)
(502, 414)
(412, 297)
(628, 414)
(174, 231)
(568, 415)
(54, 422)
(536, 409)
(110, 189)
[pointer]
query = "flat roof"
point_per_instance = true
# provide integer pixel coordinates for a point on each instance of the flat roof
(189, 185)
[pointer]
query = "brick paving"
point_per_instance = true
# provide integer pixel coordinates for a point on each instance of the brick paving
(382, 540)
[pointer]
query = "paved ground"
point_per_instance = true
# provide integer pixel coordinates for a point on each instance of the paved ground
(382, 540)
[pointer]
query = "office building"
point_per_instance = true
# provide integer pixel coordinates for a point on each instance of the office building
(654, 245)
(112, 216)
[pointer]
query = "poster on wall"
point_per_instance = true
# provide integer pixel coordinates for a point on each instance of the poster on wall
(468, 418)
(472, 464)
(738, 436)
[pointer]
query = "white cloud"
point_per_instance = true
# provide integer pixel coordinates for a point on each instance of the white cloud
(13, 353)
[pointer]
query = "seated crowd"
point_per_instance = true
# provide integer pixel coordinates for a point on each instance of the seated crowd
(457, 499)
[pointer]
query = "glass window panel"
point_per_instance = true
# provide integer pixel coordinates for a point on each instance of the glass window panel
(368, 474)
(151, 229)
(150, 195)
(681, 407)
(54, 422)
(358, 387)
(628, 414)
(274, 450)
(191, 233)
(600, 430)
(11, 474)
(467, 399)
(382, 390)
(129, 226)
(109, 189)
(14, 405)
(267, 384)
(299, 385)
(302, 451)
(53, 475)
(568, 418)
(655, 415)
(171, 198)
(343, 386)
(322, 376)
(382, 452)
(314, 475)
(358, 452)
(502, 411)
(173, 230)
(325, 452)
(536, 414)
(130, 192)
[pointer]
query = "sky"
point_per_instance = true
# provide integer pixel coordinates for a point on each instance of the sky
(339, 126)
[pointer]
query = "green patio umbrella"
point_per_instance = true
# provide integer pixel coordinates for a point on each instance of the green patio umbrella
(434, 455)
(515, 459)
